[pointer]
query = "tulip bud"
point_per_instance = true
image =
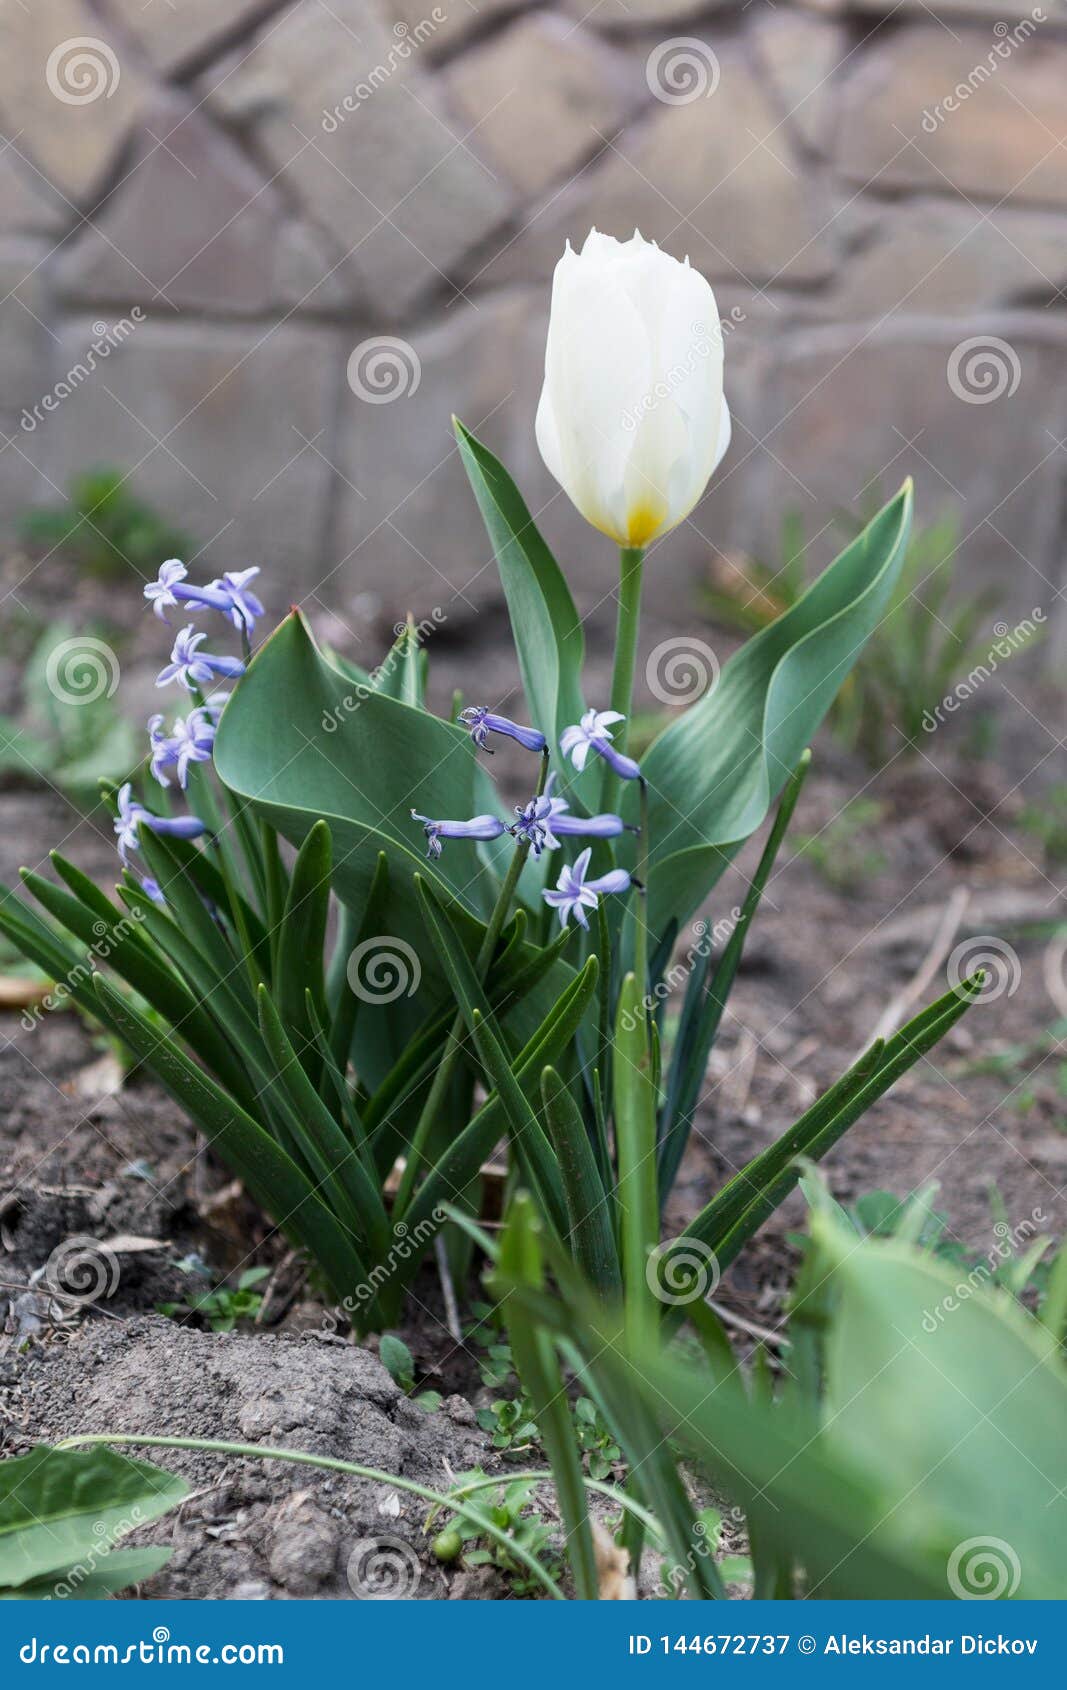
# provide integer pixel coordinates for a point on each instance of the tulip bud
(632, 420)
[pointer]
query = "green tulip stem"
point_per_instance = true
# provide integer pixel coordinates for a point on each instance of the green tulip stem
(631, 560)
(439, 1089)
(640, 905)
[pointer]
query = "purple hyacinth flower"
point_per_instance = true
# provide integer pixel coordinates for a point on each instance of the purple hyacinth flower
(192, 741)
(160, 593)
(563, 825)
(196, 741)
(535, 823)
(593, 733)
(479, 827)
(127, 821)
(191, 667)
(591, 827)
(482, 722)
(133, 816)
(153, 890)
(169, 589)
(574, 894)
(164, 750)
(244, 606)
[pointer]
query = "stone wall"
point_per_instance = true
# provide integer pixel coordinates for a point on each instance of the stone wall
(256, 253)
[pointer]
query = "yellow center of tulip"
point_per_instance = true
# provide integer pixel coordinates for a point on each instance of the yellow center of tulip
(643, 521)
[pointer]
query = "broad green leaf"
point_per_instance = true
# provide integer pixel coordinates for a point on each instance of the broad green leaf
(83, 1583)
(59, 1507)
(400, 673)
(397, 1360)
(545, 624)
(978, 1456)
(714, 772)
(299, 742)
(342, 999)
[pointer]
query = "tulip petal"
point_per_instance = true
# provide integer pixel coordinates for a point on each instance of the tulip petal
(631, 420)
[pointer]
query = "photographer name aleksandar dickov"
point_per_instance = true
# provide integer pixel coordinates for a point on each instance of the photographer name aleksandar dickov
(965, 1645)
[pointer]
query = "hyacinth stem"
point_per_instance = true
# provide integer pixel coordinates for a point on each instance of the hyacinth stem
(439, 1089)
(242, 827)
(631, 560)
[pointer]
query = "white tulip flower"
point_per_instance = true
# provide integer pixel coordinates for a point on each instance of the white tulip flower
(632, 420)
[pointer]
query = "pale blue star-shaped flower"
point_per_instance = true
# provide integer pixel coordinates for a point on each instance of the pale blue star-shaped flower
(191, 667)
(593, 733)
(575, 895)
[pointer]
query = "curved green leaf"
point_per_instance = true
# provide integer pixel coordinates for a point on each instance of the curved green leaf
(714, 772)
(546, 626)
(981, 1445)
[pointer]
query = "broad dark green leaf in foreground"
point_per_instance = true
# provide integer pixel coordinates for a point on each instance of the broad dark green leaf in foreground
(62, 1510)
(979, 1455)
(936, 1467)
